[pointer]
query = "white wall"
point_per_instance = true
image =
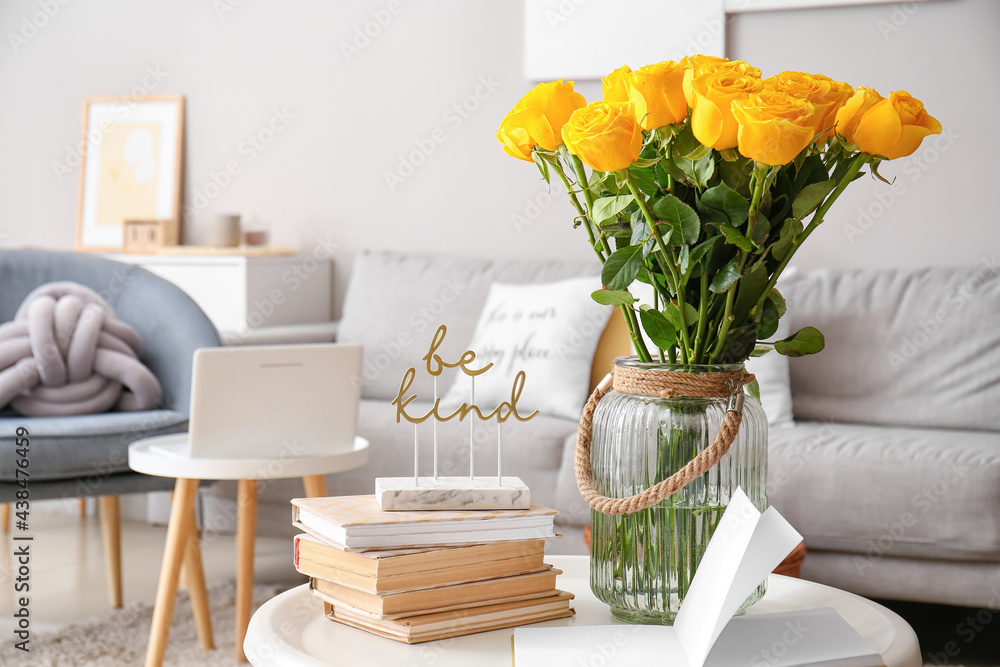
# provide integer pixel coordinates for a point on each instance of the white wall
(940, 209)
(353, 118)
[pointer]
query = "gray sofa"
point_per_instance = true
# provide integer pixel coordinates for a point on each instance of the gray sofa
(891, 469)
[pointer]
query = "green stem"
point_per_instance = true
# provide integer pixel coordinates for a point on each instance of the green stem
(699, 338)
(760, 176)
(817, 219)
(667, 263)
(588, 196)
(557, 166)
(635, 333)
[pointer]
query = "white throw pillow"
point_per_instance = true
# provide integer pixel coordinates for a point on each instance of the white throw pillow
(772, 369)
(549, 331)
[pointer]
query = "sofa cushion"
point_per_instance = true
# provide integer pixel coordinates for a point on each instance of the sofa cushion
(903, 347)
(550, 332)
(395, 302)
(96, 445)
(883, 491)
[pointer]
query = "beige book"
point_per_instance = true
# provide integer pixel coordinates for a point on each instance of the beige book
(386, 571)
(429, 627)
(356, 522)
(441, 598)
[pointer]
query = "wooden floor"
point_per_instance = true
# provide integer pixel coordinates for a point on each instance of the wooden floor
(67, 571)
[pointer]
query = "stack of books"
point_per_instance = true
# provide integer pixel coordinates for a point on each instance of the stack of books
(421, 576)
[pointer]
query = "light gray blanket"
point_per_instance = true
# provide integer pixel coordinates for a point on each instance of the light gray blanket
(65, 353)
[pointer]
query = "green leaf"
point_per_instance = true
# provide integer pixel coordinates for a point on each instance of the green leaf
(698, 172)
(789, 231)
(622, 267)
(754, 390)
(804, 341)
(779, 301)
(726, 277)
(751, 287)
(768, 320)
(811, 196)
(737, 175)
(699, 250)
(673, 314)
(641, 235)
(659, 330)
(734, 237)
(760, 350)
(686, 146)
(723, 201)
(607, 208)
(613, 297)
(684, 260)
(681, 217)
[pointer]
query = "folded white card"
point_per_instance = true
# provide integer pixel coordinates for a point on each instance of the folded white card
(809, 638)
(744, 549)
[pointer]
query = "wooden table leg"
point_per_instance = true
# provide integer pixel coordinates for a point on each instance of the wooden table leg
(5, 517)
(194, 574)
(111, 527)
(178, 531)
(246, 528)
(315, 485)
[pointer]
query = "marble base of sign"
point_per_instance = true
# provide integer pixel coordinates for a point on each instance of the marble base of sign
(452, 493)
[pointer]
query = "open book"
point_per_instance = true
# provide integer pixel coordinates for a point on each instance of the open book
(746, 546)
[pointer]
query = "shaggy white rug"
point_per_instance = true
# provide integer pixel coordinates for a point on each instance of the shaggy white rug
(121, 639)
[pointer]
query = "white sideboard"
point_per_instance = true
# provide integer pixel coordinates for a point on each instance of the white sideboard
(242, 294)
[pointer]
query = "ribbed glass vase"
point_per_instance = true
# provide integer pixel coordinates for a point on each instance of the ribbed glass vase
(642, 564)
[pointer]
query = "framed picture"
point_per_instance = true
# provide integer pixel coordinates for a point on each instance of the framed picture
(132, 167)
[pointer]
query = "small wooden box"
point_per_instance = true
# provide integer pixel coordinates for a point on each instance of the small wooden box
(148, 236)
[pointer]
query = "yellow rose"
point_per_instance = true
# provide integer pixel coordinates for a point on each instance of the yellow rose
(825, 94)
(774, 126)
(712, 118)
(892, 127)
(696, 65)
(856, 106)
(656, 93)
(616, 85)
(537, 119)
(604, 136)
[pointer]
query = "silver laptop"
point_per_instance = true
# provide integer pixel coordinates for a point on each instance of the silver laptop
(275, 401)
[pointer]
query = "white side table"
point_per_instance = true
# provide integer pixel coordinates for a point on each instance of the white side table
(290, 630)
(166, 456)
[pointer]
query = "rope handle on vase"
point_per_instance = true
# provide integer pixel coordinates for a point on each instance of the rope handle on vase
(695, 468)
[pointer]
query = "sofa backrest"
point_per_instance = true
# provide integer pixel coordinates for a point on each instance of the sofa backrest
(917, 347)
(395, 301)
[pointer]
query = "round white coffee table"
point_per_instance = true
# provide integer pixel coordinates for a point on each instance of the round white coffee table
(290, 630)
(166, 456)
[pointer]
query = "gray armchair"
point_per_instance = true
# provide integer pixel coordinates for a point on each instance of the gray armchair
(84, 456)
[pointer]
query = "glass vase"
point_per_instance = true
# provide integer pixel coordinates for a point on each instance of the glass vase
(643, 563)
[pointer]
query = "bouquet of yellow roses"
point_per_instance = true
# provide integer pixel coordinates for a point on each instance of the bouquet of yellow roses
(702, 179)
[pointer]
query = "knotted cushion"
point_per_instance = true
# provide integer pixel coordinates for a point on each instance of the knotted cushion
(65, 353)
